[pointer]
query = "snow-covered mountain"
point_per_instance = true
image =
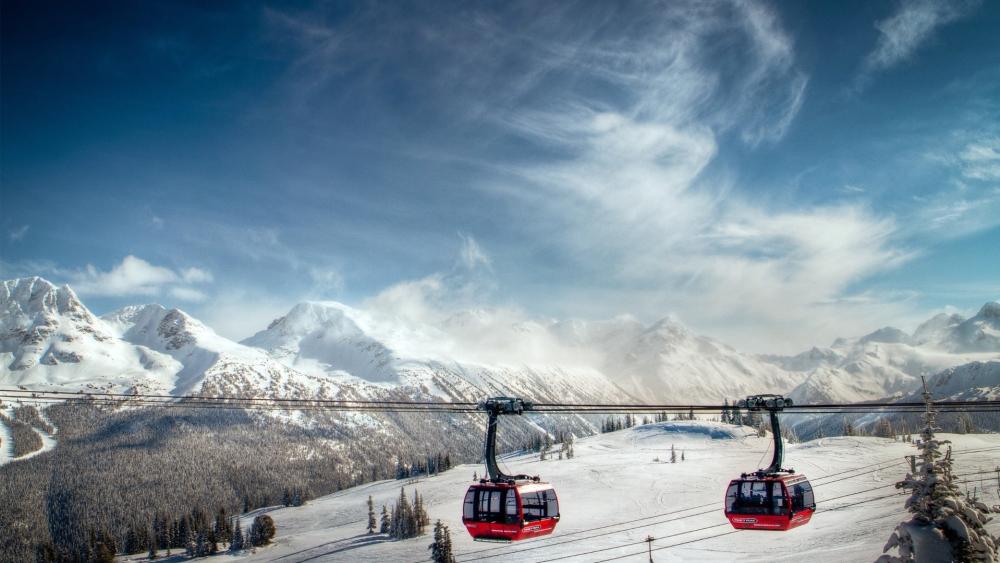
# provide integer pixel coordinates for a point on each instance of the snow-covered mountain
(889, 361)
(327, 349)
(666, 362)
(49, 338)
(208, 362)
(976, 381)
(341, 343)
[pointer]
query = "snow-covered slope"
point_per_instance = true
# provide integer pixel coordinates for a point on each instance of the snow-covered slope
(613, 494)
(976, 381)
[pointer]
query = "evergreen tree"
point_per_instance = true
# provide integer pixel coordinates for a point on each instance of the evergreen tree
(682, 455)
(237, 542)
(385, 525)
(262, 530)
(201, 548)
(725, 411)
(735, 416)
(943, 518)
(673, 454)
(848, 429)
(222, 526)
(441, 548)
(371, 515)
(883, 428)
(152, 544)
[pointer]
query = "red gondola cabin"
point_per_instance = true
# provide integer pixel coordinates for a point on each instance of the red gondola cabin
(510, 511)
(769, 502)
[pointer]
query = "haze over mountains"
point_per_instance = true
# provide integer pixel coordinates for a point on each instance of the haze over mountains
(49, 339)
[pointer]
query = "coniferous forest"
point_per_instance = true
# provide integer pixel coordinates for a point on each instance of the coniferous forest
(126, 480)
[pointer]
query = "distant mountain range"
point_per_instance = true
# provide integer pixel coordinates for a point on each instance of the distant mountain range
(50, 340)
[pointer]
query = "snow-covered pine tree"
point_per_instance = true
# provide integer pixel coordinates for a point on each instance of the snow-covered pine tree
(673, 454)
(385, 524)
(371, 515)
(441, 548)
(945, 526)
(725, 411)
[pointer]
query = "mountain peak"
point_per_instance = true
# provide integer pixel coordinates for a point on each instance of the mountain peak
(888, 335)
(990, 310)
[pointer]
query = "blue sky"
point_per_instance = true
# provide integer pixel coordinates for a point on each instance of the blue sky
(773, 174)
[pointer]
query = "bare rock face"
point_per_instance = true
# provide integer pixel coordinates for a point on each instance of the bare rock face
(174, 330)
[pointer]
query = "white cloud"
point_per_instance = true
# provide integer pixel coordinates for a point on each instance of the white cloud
(197, 275)
(135, 276)
(18, 234)
(326, 282)
(471, 254)
(980, 159)
(912, 25)
(187, 294)
(239, 313)
(633, 197)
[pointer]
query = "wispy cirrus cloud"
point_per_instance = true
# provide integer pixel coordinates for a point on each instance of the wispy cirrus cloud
(901, 34)
(17, 234)
(631, 113)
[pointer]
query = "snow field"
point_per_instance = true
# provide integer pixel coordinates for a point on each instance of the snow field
(612, 495)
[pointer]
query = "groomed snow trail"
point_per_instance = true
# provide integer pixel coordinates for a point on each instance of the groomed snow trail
(49, 441)
(614, 479)
(6, 444)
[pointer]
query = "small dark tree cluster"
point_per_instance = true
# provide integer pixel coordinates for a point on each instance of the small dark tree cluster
(261, 531)
(616, 423)
(430, 465)
(293, 497)
(441, 548)
(407, 520)
(883, 428)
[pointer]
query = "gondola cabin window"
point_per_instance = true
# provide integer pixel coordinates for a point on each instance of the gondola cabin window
(490, 506)
(802, 496)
